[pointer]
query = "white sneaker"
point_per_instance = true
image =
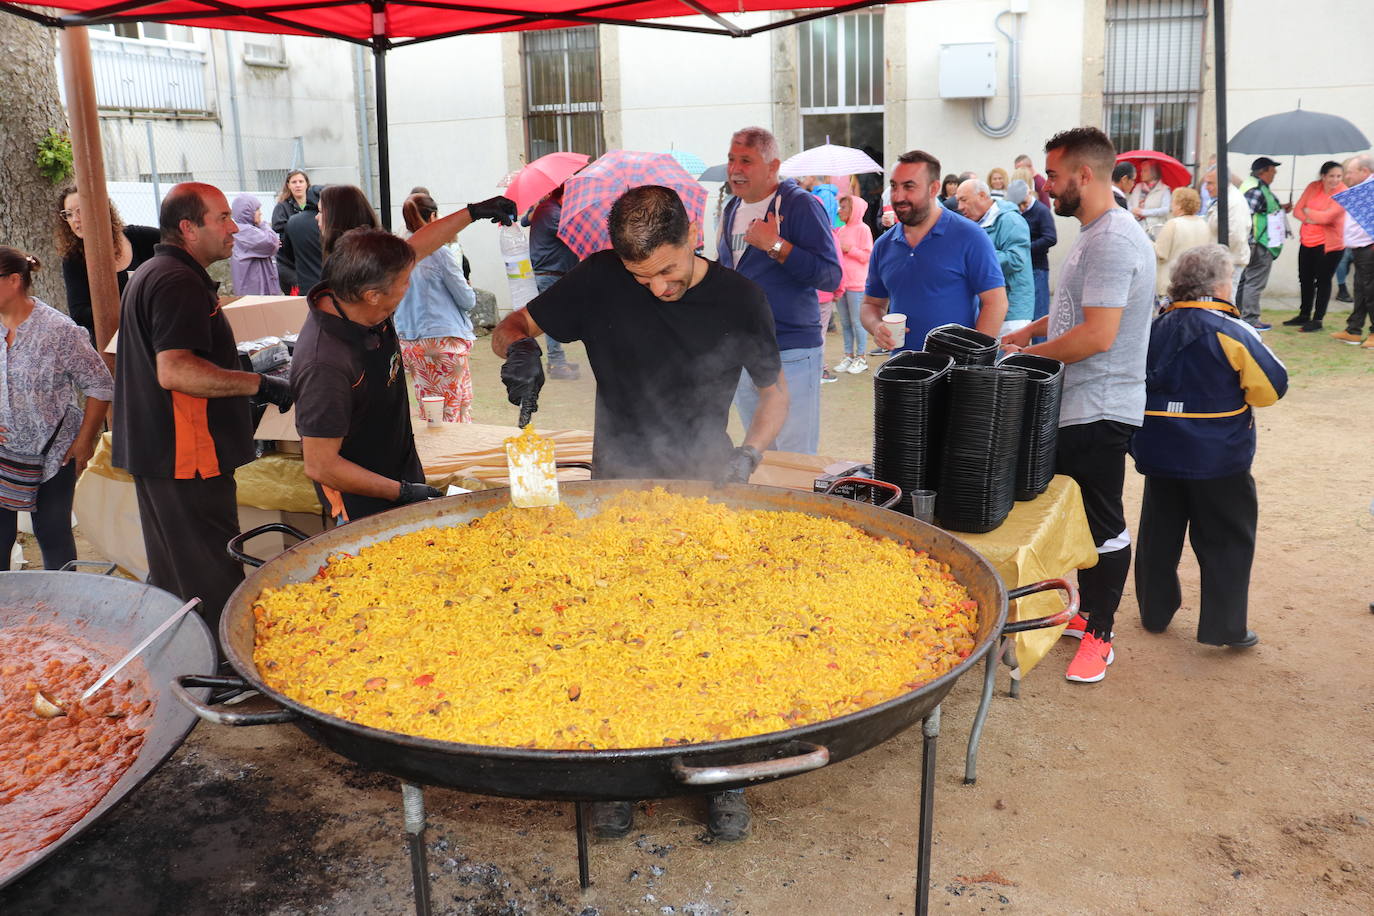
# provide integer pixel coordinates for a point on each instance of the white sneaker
(844, 364)
(858, 365)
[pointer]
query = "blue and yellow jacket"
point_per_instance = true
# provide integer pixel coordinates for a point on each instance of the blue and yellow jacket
(1205, 372)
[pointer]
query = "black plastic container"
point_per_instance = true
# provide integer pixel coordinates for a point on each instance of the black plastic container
(910, 405)
(1040, 424)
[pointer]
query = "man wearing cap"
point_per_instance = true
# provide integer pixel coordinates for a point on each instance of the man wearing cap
(1043, 237)
(1267, 231)
(1010, 236)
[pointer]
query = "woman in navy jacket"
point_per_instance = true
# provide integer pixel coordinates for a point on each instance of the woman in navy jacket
(1206, 372)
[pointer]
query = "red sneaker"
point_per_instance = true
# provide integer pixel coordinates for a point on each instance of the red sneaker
(1077, 627)
(1090, 662)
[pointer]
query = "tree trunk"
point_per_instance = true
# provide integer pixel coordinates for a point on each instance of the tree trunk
(29, 105)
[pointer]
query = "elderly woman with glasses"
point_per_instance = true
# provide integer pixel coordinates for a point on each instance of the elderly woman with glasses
(133, 245)
(1205, 374)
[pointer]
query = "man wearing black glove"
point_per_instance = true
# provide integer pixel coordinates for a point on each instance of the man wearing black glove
(743, 460)
(667, 335)
(523, 375)
(275, 390)
(500, 210)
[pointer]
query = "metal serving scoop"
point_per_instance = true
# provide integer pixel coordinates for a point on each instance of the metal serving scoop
(45, 707)
(530, 464)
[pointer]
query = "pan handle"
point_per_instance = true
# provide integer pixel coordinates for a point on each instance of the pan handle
(105, 566)
(814, 757)
(573, 466)
(235, 545)
(221, 716)
(1054, 620)
(892, 488)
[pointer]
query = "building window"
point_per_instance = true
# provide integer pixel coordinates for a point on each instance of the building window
(562, 92)
(840, 75)
(1153, 80)
(146, 31)
(264, 51)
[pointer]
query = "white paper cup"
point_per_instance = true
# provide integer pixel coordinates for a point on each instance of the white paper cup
(433, 407)
(896, 323)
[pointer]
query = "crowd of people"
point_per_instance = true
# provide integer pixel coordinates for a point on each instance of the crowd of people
(1156, 323)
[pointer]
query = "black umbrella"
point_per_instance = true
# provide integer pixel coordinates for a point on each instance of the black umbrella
(1299, 133)
(714, 173)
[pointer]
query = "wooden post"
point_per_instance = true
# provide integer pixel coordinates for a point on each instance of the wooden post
(89, 160)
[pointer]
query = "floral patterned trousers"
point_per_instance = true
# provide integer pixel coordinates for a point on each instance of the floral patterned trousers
(438, 367)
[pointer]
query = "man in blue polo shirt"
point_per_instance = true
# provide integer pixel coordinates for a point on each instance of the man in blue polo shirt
(935, 267)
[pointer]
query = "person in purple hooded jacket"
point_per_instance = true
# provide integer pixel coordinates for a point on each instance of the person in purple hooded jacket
(253, 265)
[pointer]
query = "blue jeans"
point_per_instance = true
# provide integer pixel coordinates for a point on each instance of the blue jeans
(552, 348)
(801, 432)
(1343, 266)
(1042, 297)
(855, 337)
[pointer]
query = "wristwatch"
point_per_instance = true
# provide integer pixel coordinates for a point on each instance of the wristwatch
(776, 250)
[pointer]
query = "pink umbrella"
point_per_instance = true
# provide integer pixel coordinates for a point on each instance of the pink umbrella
(541, 176)
(1172, 172)
(588, 195)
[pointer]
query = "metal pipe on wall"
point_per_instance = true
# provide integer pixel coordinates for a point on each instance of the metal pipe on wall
(89, 162)
(1223, 173)
(234, 106)
(364, 137)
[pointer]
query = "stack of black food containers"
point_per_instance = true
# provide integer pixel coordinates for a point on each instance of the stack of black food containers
(910, 407)
(977, 482)
(1040, 425)
(966, 346)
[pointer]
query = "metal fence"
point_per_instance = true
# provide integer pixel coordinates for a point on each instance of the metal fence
(1153, 79)
(148, 76)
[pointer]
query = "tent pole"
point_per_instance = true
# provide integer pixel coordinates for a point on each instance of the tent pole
(383, 145)
(1223, 173)
(89, 164)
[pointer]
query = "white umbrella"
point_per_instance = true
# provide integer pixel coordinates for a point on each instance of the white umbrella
(829, 160)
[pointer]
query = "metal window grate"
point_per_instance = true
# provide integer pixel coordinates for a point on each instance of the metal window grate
(1152, 84)
(563, 92)
(840, 64)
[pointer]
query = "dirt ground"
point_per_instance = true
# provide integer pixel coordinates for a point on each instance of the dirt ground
(1193, 780)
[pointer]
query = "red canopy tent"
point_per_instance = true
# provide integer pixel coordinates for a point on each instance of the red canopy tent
(380, 25)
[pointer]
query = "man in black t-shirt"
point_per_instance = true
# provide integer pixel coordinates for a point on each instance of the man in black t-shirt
(667, 334)
(181, 418)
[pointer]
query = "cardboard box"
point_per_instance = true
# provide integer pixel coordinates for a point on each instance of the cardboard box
(253, 317)
(281, 427)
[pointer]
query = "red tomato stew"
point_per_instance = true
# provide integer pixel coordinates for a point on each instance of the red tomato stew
(53, 771)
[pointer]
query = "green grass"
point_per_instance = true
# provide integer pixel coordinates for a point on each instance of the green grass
(1316, 355)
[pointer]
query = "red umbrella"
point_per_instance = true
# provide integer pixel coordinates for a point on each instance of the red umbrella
(541, 176)
(588, 195)
(1172, 172)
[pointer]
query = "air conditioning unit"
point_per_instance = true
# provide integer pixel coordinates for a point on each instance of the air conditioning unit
(968, 70)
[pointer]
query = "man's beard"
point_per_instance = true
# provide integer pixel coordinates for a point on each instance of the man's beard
(1067, 202)
(917, 213)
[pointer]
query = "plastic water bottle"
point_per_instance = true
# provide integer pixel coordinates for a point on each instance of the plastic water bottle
(515, 251)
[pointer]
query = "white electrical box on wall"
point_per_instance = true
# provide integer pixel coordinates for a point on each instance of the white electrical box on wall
(968, 71)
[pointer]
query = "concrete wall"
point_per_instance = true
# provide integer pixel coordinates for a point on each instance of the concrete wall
(313, 97)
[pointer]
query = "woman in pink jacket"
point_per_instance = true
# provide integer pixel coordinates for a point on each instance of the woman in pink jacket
(855, 241)
(1323, 242)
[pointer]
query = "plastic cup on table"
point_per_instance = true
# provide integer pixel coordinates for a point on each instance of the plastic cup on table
(896, 323)
(923, 505)
(433, 407)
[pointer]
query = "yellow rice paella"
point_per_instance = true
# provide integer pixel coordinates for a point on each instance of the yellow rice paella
(660, 620)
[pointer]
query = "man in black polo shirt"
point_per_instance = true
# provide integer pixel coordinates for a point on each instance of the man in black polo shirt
(181, 417)
(352, 409)
(667, 334)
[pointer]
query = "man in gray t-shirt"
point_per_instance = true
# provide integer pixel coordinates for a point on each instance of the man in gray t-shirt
(1099, 326)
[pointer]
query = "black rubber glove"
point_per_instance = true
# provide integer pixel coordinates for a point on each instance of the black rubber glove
(743, 461)
(275, 390)
(523, 375)
(500, 210)
(416, 492)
